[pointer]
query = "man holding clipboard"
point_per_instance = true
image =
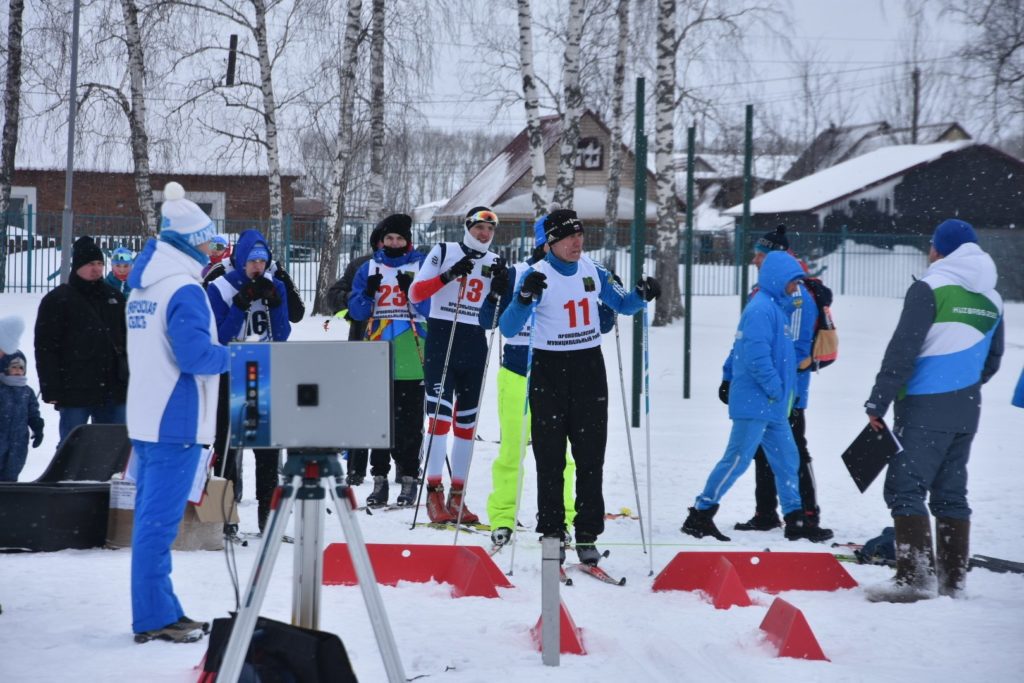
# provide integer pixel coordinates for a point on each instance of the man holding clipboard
(948, 342)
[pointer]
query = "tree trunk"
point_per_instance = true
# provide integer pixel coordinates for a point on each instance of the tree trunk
(669, 304)
(12, 105)
(569, 147)
(375, 199)
(275, 233)
(137, 112)
(611, 205)
(530, 102)
(331, 249)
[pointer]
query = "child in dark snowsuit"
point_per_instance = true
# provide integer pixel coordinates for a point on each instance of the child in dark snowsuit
(19, 413)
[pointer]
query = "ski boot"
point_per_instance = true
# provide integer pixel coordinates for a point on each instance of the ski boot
(454, 500)
(353, 479)
(379, 497)
(801, 524)
(761, 521)
(586, 551)
(437, 510)
(407, 496)
(700, 523)
(501, 536)
(203, 626)
(176, 633)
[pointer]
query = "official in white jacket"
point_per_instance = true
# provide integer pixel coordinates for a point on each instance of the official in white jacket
(174, 359)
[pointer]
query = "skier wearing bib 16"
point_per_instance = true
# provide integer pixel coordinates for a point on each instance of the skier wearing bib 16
(568, 386)
(456, 277)
(380, 291)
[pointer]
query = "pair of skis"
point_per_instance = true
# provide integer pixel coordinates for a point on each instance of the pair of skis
(589, 569)
(992, 564)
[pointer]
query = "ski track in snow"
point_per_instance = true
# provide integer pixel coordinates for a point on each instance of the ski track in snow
(68, 614)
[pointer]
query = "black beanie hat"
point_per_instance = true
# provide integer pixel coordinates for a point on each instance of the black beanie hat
(561, 223)
(396, 223)
(83, 251)
(774, 241)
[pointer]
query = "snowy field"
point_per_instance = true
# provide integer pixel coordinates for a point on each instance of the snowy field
(67, 615)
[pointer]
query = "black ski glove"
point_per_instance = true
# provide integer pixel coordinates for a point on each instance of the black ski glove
(533, 286)
(499, 278)
(268, 292)
(372, 285)
(36, 425)
(247, 293)
(462, 268)
(723, 392)
(404, 281)
(648, 288)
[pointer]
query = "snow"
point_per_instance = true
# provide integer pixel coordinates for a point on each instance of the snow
(68, 614)
(811, 192)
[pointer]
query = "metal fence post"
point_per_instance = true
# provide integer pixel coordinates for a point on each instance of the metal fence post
(842, 260)
(31, 244)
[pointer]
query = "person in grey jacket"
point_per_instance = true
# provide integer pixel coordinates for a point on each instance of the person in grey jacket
(948, 342)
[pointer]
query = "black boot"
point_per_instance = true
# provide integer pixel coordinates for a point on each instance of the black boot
(800, 524)
(379, 497)
(761, 521)
(952, 542)
(700, 523)
(915, 563)
(586, 550)
(262, 514)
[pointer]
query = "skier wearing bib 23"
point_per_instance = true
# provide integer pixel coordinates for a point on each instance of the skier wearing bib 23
(568, 386)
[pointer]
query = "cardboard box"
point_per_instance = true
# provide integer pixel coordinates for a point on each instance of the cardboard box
(201, 528)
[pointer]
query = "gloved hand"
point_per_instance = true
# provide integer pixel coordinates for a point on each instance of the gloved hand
(36, 425)
(268, 292)
(281, 274)
(404, 281)
(463, 267)
(723, 392)
(372, 285)
(533, 286)
(648, 288)
(247, 293)
(499, 277)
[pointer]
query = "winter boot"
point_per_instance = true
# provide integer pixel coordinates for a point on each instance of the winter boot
(700, 523)
(501, 536)
(353, 479)
(952, 541)
(407, 496)
(761, 521)
(176, 633)
(379, 497)
(586, 550)
(915, 563)
(454, 500)
(436, 508)
(800, 524)
(231, 533)
(203, 626)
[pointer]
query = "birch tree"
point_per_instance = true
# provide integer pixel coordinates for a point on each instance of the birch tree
(375, 208)
(532, 106)
(669, 305)
(330, 251)
(12, 106)
(611, 205)
(573, 108)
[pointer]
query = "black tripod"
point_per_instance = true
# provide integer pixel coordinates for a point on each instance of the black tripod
(304, 473)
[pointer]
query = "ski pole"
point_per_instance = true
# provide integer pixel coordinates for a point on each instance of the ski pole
(440, 398)
(647, 425)
(476, 425)
(522, 435)
(629, 437)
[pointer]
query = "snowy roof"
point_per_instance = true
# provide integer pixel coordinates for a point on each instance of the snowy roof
(765, 166)
(859, 173)
(424, 213)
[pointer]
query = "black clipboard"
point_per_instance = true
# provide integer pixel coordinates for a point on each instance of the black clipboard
(869, 454)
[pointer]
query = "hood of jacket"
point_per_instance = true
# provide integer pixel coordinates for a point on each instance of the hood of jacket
(967, 266)
(777, 271)
(246, 241)
(158, 261)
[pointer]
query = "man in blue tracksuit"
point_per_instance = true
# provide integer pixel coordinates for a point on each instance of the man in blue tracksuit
(174, 359)
(761, 396)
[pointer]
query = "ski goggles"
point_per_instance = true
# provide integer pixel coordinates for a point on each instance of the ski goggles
(217, 247)
(122, 256)
(482, 217)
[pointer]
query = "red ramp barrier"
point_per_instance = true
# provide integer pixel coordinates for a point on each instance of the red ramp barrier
(788, 630)
(570, 636)
(468, 569)
(767, 571)
(717, 579)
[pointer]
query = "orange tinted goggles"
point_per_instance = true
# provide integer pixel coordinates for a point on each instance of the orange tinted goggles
(482, 217)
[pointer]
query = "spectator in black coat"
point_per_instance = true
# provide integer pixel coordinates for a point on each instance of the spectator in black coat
(80, 339)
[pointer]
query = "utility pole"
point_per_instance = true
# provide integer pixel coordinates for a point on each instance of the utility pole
(67, 221)
(915, 79)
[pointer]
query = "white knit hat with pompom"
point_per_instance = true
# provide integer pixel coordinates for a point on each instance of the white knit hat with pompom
(184, 218)
(11, 328)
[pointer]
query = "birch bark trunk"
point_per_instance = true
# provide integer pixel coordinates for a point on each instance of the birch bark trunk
(375, 199)
(136, 112)
(611, 206)
(532, 106)
(568, 149)
(275, 235)
(12, 106)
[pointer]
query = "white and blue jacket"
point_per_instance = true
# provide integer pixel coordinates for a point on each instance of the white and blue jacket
(173, 354)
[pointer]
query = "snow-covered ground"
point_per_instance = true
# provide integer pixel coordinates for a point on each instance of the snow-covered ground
(67, 615)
